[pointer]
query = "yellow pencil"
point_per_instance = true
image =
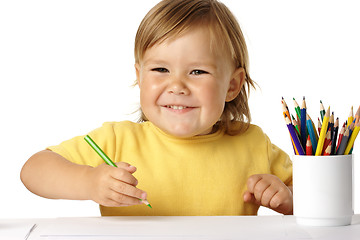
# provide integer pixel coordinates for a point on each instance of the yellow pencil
(351, 117)
(323, 132)
(352, 139)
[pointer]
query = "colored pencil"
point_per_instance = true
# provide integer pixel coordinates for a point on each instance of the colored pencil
(294, 136)
(322, 136)
(334, 138)
(351, 117)
(344, 142)
(296, 124)
(313, 125)
(326, 141)
(303, 130)
(341, 134)
(322, 111)
(331, 125)
(352, 138)
(106, 159)
(311, 132)
(327, 151)
(357, 116)
(309, 148)
(319, 126)
(285, 109)
(297, 109)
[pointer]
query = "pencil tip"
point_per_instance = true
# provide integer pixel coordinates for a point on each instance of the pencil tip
(320, 101)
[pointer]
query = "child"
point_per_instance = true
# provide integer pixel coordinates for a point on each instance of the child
(194, 151)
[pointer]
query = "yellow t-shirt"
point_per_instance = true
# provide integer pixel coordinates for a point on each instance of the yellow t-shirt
(201, 175)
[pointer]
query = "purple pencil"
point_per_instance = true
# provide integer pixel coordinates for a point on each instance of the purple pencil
(294, 136)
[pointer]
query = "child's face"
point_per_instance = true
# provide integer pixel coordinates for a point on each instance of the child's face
(184, 85)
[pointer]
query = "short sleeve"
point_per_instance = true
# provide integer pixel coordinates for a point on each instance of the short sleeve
(77, 150)
(280, 163)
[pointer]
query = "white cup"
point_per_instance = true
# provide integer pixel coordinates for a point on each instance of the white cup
(323, 190)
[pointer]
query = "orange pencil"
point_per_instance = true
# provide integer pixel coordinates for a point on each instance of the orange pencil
(285, 109)
(309, 150)
(357, 116)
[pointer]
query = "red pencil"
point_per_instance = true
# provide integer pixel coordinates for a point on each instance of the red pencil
(327, 151)
(309, 150)
(327, 140)
(341, 134)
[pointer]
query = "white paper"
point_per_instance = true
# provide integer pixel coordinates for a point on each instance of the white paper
(15, 230)
(170, 228)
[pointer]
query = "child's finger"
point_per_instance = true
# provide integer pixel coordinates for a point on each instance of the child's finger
(120, 200)
(250, 198)
(257, 185)
(126, 166)
(127, 190)
(123, 175)
(268, 196)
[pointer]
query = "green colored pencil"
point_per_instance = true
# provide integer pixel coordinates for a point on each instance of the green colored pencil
(297, 109)
(322, 111)
(106, 159)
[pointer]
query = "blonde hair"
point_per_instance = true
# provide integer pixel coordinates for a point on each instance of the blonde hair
(172, 17)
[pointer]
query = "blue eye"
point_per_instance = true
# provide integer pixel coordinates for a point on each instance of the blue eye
(161, 70)
(198, 72)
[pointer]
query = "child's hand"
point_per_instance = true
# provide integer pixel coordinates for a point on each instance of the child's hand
(269, 191)
(115, 187)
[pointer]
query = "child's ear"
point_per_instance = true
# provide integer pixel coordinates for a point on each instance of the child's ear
(236, 83)
(137, 69)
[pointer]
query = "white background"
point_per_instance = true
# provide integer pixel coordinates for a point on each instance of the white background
(67, 66)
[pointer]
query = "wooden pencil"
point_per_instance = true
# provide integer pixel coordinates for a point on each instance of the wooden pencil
(353, 136)
(319, 126)
(327, 151)
(297, 109)
(326, 141)
(351, 117)
(309, 148)
(344, 142)
(331, 125)
(303, 124)
(285, 109)
(322, 136)
(322, 111)
(357, 116)
(294, 136)
(341, 134)
(311, 132)
(296, 124)
(334, 138)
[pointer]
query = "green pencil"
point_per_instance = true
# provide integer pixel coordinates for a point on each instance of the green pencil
(106, 159)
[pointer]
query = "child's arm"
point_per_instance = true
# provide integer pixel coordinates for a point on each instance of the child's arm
(269, 191)
(50, 175)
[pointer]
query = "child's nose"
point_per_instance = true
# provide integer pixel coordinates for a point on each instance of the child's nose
(177, 86)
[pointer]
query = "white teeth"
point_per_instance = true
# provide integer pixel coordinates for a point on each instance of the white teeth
(176, 107)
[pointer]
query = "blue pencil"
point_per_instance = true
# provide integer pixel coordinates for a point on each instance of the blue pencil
(311, 132)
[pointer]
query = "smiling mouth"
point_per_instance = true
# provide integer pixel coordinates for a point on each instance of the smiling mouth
(175, 107)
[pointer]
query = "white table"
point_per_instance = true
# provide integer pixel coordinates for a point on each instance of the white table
(189, 228)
